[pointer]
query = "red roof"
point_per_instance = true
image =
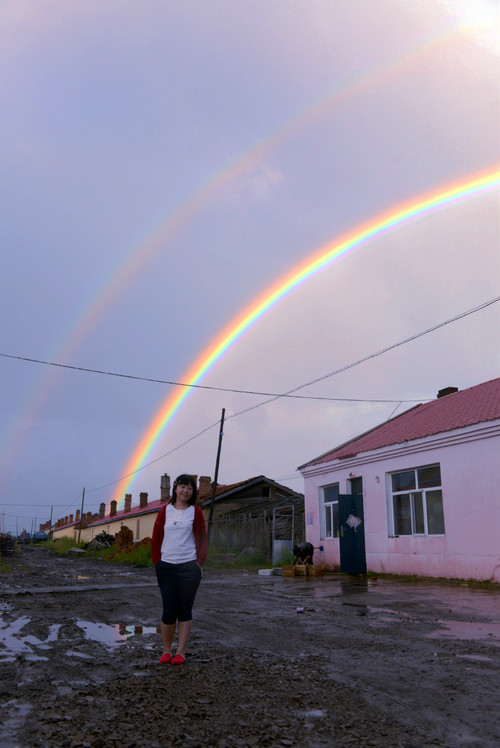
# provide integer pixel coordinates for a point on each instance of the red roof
(475, 405)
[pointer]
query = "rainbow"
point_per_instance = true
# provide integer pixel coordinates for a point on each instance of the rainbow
(105, 293)
(447, 195)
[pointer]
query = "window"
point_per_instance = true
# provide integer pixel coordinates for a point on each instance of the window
(330, 511)
(417, 502)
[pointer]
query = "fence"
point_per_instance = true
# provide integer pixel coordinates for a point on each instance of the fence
(244, 531)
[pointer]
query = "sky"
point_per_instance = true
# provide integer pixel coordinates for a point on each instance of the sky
(166, 164)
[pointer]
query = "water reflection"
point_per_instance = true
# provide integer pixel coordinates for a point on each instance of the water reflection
(475, 630)
(14, 641)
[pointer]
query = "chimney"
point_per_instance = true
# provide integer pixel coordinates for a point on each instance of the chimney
(143, 500)
(128, 503)
(165, 487)
(205, 488)
(112, 508)
(70, 519)
(102, 510)
(66, 520)
(447, 391)
(77, 515)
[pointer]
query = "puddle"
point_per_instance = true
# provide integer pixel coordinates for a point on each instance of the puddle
(475, 658)
(13, 642)
(81, 655)
(486, 632)
(317, 713)
(111, 635)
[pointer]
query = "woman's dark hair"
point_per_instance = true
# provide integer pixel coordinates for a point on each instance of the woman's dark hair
(184, 480)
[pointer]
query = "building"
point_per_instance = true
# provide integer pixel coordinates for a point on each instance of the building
(251, 498)
(418, 494)
(259, 513)
(139, 519)
(254, 508)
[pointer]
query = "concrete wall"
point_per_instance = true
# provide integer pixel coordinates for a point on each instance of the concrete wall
(141, 527)
(64, 532)
(470, 476)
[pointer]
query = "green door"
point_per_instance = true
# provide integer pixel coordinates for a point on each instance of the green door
(352, 534)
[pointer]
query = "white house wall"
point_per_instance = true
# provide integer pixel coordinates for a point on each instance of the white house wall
(470, 479)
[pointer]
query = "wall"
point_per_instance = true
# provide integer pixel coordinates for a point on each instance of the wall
(470, 475)
(65, 532)
(141, 526)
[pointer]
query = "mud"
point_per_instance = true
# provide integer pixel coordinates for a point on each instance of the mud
(366, 663)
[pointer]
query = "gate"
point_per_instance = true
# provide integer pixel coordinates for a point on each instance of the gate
(283, 532)
(352, 534)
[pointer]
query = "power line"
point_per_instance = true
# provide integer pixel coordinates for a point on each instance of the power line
(196, 386)
(272, 395)
(308, 384)
(372, 355)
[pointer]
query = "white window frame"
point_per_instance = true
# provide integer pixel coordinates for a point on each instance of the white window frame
(414, 494)
(325, 508)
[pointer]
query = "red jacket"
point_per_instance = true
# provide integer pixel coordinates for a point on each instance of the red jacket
(199, 530)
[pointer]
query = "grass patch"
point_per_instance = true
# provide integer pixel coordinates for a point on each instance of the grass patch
(61, 545)
(138, 554)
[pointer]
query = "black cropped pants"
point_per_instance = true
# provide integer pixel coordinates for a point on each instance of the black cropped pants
(178, 585)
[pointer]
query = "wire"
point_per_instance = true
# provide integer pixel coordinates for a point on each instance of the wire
(273, 397)
(371, 356)
(308, 384)
(196, 386)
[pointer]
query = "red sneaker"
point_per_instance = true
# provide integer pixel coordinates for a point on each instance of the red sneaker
(178, 660)
(166, 658)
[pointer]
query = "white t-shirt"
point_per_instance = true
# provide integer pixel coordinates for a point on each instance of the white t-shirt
(178, 544)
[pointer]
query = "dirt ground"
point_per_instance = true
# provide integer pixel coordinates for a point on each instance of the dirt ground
(365, 663)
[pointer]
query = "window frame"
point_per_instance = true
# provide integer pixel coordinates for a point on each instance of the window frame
(416, 512)
(327, 508)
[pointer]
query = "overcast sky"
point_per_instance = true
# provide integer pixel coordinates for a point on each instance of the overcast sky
(163, 163)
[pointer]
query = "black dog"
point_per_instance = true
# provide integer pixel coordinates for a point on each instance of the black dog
(303, 553)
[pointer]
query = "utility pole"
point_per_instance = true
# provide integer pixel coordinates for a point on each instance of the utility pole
(81, 516)
(214, 485)
(50, 524)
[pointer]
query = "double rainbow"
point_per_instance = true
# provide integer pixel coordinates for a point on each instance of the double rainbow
(447, 195)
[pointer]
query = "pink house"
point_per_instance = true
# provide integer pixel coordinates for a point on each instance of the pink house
(419, 494)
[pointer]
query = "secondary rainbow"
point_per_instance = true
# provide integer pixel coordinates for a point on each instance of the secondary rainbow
(108, 289)
(446, 195)
(88, 314)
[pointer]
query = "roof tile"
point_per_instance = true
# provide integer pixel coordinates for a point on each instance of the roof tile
(458, 410)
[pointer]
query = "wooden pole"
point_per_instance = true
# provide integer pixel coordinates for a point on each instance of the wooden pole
(216, 476)
(81, 516)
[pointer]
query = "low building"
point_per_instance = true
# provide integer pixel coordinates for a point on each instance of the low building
(256, 507)
(418, 494)
(251, 498)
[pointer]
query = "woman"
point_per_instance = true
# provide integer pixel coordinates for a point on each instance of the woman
(179, 550)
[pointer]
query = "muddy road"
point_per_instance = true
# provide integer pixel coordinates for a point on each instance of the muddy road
(383, 663)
